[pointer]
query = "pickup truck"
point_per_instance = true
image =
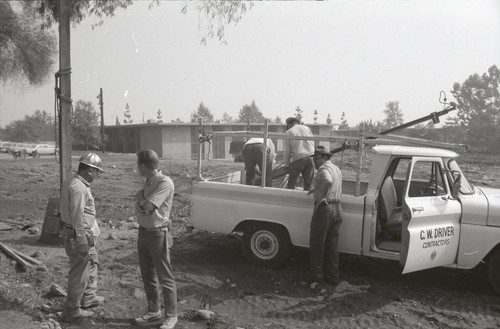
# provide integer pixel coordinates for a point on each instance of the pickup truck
(417, 208)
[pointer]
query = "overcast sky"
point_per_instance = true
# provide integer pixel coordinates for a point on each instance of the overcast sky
(333, 57)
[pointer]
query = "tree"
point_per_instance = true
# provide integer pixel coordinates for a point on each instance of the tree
(278, 119)
(202, 112)
(371, 126)
(178, 120)
(298, 113)
(329, 119)
(315, 116)
(393, 114)
(127, 115)
(27, 51)
(343, 122)
(478, 100)
(33, 128)
(250, 113)
(85, 126)
(226, 118)
(214, 15)
(159, 116)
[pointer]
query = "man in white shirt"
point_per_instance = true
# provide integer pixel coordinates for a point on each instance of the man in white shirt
(253, 154)
(297, 154)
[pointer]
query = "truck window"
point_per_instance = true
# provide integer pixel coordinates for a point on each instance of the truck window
(465, 187)
(427, 179)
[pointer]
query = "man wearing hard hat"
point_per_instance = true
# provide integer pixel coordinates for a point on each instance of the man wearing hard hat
(79, 235)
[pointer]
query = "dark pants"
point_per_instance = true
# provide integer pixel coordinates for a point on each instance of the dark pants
(304, 166)
(154, 261)
(324, 242)
(253, 154)
(82, 279)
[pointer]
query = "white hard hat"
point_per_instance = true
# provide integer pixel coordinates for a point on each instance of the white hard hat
(91, 160)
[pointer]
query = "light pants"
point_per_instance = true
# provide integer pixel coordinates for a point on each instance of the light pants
(82, 280)
(154, 261)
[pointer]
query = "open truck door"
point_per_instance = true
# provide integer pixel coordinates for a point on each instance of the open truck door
(430, 230)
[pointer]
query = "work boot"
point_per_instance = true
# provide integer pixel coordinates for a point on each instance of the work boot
(169, 323)
(147, 318)
(96, 301)
(78, 314)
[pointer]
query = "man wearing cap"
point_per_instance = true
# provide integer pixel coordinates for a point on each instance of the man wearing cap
(253, 153)
(153, 206)
(80, 231)
(297, 154)
(326, 219)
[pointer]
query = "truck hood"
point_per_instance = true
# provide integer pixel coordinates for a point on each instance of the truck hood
(493, 197)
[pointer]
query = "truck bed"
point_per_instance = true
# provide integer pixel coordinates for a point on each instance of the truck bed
(220, 207)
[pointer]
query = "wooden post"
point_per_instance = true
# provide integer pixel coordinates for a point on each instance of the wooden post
(264, 158)
(200, 121)
(65, 97)
(359, 160)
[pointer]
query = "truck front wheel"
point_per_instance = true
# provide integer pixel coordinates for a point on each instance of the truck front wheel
(494, 271)
(266, 244)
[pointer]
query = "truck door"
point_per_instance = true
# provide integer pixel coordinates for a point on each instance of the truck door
(431, 217)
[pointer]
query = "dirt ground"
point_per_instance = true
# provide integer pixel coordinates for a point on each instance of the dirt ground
(210, 269)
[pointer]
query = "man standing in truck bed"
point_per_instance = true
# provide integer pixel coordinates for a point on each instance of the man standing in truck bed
(297, 154)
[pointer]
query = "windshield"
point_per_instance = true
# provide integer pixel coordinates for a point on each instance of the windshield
(465, 187)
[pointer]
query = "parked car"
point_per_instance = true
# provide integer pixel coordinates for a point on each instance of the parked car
(5, 147)
(15, 147)
(46, 149)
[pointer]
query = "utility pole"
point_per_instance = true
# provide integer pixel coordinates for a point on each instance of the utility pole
(101, 106)
(65, 92)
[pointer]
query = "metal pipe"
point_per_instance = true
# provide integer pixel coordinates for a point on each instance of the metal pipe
(264, 158)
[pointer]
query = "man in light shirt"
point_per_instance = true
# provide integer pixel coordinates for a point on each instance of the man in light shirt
(153, 204)
(297, 154)
(80, 232)
(253, 153)
(326, 219)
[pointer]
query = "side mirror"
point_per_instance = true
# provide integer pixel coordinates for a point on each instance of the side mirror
(457, 181)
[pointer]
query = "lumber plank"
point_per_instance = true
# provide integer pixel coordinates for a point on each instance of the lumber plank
(26, 257)
(16, 257)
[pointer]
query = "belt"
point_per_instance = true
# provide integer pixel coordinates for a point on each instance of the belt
(153, 229)
(66, 225)
(333, 201)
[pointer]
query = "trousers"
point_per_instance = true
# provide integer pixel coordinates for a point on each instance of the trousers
(82, 279)
(156, 271)
(253, 154)
(304, 166)
(324, 242)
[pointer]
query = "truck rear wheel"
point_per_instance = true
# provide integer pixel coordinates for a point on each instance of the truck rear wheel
(494, 271)
(266, 244)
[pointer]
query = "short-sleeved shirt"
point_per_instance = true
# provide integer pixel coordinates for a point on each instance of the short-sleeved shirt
(77, 206)
(159, 190)
(327, 183)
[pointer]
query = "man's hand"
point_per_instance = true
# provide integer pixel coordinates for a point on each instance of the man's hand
(82, 247)
(139, 196)
(138, 208)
